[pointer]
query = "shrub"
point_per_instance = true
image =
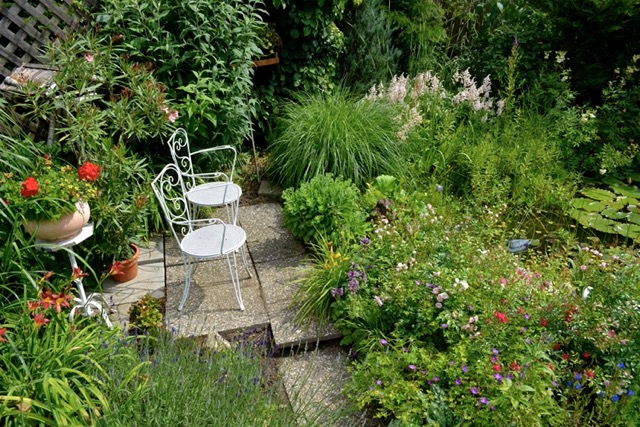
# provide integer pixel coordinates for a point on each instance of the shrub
(333, 133)
(202, 51)
(324, 208)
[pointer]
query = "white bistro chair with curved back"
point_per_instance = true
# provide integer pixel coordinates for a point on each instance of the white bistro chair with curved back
(210, 189)
(199, 239)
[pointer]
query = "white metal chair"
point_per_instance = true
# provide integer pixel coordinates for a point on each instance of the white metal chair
(210, 189)
(199, 239)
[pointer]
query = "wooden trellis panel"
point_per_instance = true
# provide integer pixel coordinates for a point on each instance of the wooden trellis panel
(27, 25)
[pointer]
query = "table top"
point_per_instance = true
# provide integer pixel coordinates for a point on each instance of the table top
(85, 233)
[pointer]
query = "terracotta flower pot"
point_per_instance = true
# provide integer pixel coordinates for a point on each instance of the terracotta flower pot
(67, 226)
(129, 267)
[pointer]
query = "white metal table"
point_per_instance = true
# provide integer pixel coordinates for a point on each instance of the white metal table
(85, 304)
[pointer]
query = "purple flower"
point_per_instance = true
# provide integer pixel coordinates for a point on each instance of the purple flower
(527, 340)
(405, 349)
(465, 369)
(484, 400)
(436, 379)
(438, 188)
(494, 359)
(458, 381)
(554, 383)
(527, 317)
(337, 292)
(383, 341)
(379, 382)
(474, 390)
(493, 408)
(498, 377)
(412, 367)
(510, 377)
(523, 329)
(365, 241)
(495, 351)
(444, 326)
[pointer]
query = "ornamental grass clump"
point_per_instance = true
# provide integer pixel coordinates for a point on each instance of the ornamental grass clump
(334, 133)
(49, 191)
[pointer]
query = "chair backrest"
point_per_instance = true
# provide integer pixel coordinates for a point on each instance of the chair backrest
(183, 158)
(169, 189)
(181, 154)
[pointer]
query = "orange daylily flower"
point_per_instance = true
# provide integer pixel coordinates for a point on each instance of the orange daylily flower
(46, 299)
(33, 305)
(78, 274)
(40, 320)
(61, 300)
(46, 277)
(116, 268)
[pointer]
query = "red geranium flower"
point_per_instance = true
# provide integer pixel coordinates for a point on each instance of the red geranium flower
(497, 367)
(565, 356)
(543, 322)
(514, 366)
(586, 355)
(501, 317)
(2, 332)
(30, 187)
(557, 346)
(88, 171)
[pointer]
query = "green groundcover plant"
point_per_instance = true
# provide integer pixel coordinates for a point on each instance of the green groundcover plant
(450, 327)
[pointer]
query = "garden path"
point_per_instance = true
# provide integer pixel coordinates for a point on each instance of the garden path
(313, 372)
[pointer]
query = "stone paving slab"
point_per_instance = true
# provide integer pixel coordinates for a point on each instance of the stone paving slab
(212, 305)
(314, 379)
(152, 251)
(120, 296)
(266, 237)
(278, 279)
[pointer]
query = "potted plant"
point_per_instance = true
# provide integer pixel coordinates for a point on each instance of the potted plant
(120, 212)
(53, 200)
(270, 43)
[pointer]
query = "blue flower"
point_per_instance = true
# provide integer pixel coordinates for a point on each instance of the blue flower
(578, 376)
(615, 398)
(578, 386)
(630, 393)
(570, 383)
(621, 365)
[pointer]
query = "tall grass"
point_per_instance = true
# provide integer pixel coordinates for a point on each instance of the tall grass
(333, 133)
(186, 384)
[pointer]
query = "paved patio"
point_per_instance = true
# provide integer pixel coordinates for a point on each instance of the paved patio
(276, 260)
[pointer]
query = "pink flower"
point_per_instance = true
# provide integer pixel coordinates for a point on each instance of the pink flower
(88, 57)
(583, 267)
(501, 317)
(173, 116)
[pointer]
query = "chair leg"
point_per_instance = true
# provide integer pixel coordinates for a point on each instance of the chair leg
(187, 283)
(244, 260)
(233, 272)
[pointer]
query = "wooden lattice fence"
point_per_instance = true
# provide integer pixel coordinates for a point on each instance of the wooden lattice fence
(27, 25)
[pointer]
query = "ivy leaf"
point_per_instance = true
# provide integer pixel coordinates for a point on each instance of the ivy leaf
(295, 33)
